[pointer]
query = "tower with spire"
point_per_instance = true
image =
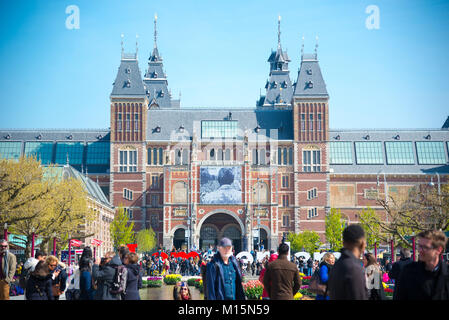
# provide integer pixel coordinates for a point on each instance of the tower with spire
(155, 80)
(279, 89)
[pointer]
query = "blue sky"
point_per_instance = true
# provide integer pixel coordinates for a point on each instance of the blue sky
(215, 53)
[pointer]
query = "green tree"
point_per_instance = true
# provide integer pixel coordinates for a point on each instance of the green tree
(370, 222)
(146, 240)
(121, 230)
(309, 240)
(334, 229)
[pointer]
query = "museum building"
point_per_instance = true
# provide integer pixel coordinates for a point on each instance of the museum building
(253, 175)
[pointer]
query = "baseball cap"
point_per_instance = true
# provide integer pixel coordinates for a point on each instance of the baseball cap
(273, 257)
(225, 242)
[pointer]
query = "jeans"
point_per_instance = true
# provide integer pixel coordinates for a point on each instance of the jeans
(309, 271)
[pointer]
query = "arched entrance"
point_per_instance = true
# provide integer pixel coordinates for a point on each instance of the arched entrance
(179, 238)
(263, 240)
(219, 225)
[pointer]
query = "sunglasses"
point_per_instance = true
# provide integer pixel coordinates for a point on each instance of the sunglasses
(3, 246)
(53, 265)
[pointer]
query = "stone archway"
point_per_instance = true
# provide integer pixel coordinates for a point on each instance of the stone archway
(218, 223)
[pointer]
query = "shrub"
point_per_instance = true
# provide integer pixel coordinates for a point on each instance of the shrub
(191, 281)
(172, 279)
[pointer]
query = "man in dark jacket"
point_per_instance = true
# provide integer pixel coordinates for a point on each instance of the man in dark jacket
(398, 266)
(427, 279)
(347, 278)
(281, 279)
(104, 276)
(224, 280)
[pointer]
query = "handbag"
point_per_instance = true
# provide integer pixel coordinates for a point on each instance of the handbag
(315, 286)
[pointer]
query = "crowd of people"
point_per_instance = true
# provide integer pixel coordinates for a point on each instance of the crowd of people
(356, 275)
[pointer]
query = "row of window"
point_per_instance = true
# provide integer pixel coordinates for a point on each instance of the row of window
(313, 125)
(128, 160)
(312, 194)
(397, 152)
(127, 122)
(59, 152)
(127, 194)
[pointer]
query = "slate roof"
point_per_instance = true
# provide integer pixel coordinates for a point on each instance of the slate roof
(128, 81)
(92, 188)
(384, 135)
(310, 71)
(170, 121)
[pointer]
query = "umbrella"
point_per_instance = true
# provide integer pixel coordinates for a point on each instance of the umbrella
(173, 254)
(246, 256)
(193, 254)
(163, 255)
(182, 254)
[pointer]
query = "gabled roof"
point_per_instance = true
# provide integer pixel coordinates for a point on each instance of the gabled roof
(170, 121)
(91, 187)
(310, 81)
(129, 79)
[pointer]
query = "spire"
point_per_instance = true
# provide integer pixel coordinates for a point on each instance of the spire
(137, 44)
(155, 30)
(123, 50)
(316, 45)
(302, 47)
(279, 32)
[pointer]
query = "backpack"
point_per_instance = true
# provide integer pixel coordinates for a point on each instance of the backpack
(24, 276)
(315, 285)
(119, 283)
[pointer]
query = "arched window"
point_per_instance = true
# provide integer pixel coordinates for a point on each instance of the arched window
(279, 156)
(285, 156)
(177, 156)
(232, 232)
(290, 156)
(154, 156)
(255, 157)
(262, 156)
(180, 192)
(228, 154)
(161, 152)
(185, 156)
(220, 154)
(212, 154)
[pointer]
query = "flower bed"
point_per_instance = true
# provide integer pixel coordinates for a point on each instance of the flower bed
(172, 279)
(191, 281)
(199, 284)
(153, 282)
(253, 289)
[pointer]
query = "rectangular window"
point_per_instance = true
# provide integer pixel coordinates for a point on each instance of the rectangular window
(311, 213)
(340, 152)
(219, 129)
(303, 122)
(430, 152)
(311, 121)
(400, 152)
(369, 152)
(98, 152)
(43, 151)
(129, 213)
(312, 194)
(285, 199)
(10, 150)
(136, 122)
(128, 122)
(127, 194)
(318, 123)
(312, 160)
(154, 182)
(128, 160)
(119, 121)
(72, 150)
(284, 181)
(154, 200)
(286, 220)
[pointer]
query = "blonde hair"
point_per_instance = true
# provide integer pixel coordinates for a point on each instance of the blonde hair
(51, 259)
(327, 257)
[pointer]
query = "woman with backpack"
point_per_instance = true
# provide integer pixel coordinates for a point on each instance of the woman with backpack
(103, 272)
(134, 277)
(324, 270)
(39, 284)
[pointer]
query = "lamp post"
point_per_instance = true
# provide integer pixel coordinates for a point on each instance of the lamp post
(393, 256)
(33, 236)
(54, 243)
(385, 188)
(375, 250)
(70, 250)
(439, 190)
(5, 232)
